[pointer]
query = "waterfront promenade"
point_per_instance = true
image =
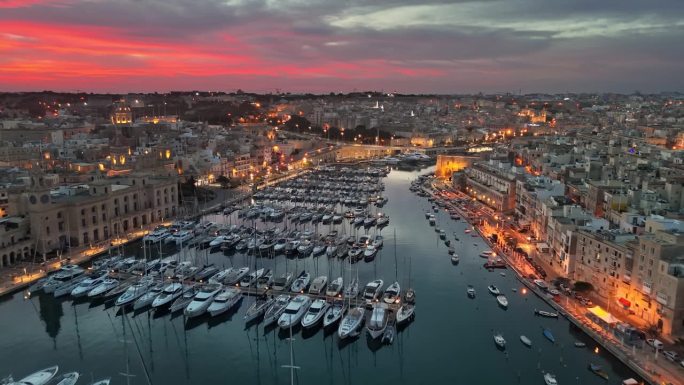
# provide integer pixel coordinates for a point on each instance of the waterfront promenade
(652, 367)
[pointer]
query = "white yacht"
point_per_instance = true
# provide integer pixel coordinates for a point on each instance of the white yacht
(372, 291)
(300, 284)
(392, 293)
(220, 277)
(335, 287)
(184, 299)
(352, 290)
(378, 320)
(202, 300)
(487, 254)
(40, 377)
(315, 313)
(106, 285)
(88, 284)
(224, 301)
(265, 281)
(351, 323)
(168, 295)
(276, 309)
(294, 311)
(283, 281)
(157, 235)
(318, 285)
(258, 308)
(235, 275)
(134, 292)
(181, 237)
(251, 278)
(149, 297)
(279, 245)
(334, 313)
(470, 291)
(66, 275)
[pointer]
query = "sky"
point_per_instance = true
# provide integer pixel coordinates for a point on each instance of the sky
(406, 46)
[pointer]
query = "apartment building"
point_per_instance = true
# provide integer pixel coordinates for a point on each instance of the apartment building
(493, 183)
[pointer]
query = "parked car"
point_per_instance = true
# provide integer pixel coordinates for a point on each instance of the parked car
(656, 344)
(671, 355)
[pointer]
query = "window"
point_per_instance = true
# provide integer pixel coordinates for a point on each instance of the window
(83, 222)
(93, 209)
(47, 230)
(85, 238)
(94, 219)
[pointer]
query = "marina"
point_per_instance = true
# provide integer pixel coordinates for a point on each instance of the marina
(303, 239)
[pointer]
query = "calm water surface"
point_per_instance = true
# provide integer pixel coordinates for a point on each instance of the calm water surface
(450, 340)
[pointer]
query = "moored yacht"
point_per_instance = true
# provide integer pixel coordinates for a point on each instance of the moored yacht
(235, 275)
(405, 313)
(318, 285)
(352, 290)
(378, 320)
(149, 297)
(493, 289)
(294, 311)
(134, 292)
(88, 284)
(65, 276)
(300, 284)
(40, 377)
(283, 281)
(251, 278)
(392, 294)
(334, 312)
(335, 287)
(276, 309)
(315, 313)
(168, 295)
(351, 323)
(202, 300)
(372, 291)
(106, 285)
(258, 308)
(224, 301)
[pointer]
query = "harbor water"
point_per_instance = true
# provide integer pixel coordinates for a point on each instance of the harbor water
(449, 341)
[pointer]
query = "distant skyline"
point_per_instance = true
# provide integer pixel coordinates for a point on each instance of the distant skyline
(321, 46)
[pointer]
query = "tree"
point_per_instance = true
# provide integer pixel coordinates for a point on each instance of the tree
(223, 180)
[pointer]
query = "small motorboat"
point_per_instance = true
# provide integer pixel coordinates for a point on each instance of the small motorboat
(580, 344)
(471, 291)
(102, 382)
(410, 296)
(455, 259)
(545, 313)
(170, 293)
(40, 377)
(68, 378)
(549, 336)
(405, 313)
(598, 370)
(550, 379)
(502, 300)
(526, 341)
(500, 341)
(493, 289)
(388, 335)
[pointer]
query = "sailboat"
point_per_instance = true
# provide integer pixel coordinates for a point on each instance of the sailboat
(349, 327)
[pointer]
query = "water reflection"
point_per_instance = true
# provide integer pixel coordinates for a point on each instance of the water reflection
(51, 313)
